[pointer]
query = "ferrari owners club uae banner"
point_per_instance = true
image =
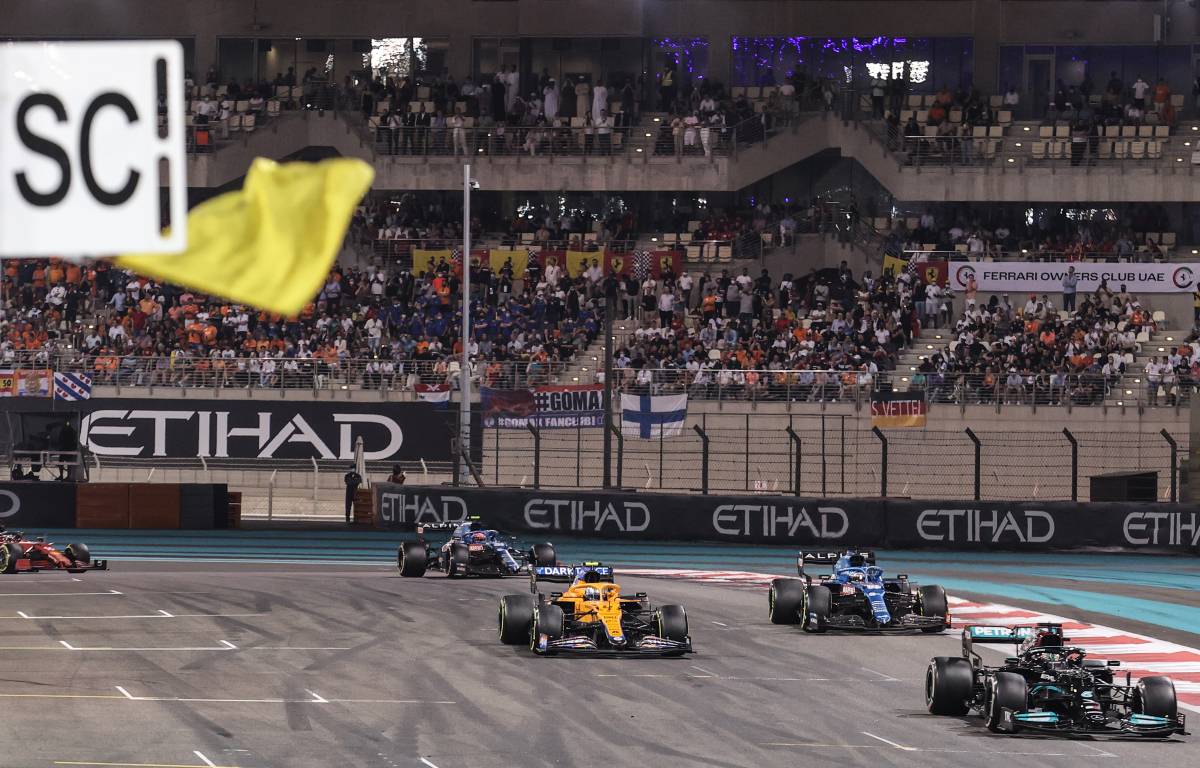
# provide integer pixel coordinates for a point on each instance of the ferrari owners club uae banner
(898, 409)
(1039, 277)
(550, 407)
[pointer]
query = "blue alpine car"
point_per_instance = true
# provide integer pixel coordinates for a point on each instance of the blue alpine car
(856, 596)
(473, 549)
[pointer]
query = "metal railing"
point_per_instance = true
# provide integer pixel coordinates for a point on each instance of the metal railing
(1033, 254)
(1024, 149)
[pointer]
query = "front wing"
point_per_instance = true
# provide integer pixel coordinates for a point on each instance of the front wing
(26, 565)
(910, 622)
(577, 645)
(1136, 725)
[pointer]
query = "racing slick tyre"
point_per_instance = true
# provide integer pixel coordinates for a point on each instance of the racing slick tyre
(78, 553)
(9, 555)
(1006, 690)
(412, 558)
(784, 600)
(1155, 696)
(544, 554)
(933, 603)
(672, 623)
(548, 621)
(818, 605)
(457, 559)
(949, 686)
(516, 618)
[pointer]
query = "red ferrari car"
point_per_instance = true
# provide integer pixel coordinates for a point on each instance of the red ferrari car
(21, 555)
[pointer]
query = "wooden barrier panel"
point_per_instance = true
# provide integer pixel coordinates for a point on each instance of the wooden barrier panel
(154, 505)
(102, 505)
(235, 509)
(364, 506)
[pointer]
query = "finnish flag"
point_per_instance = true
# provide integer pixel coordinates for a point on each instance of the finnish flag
(651, 417)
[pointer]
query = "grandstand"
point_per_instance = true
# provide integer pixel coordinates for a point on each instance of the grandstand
(756, 205)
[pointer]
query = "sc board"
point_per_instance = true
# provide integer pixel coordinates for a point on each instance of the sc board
(82, 152)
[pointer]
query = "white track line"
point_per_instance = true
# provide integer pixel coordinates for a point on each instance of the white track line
(160, 615)
(427, 763)
(888, 742)
(60, 594)
(225, 645)
(204, 759)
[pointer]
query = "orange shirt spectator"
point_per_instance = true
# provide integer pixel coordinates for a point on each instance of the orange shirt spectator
(74, 273)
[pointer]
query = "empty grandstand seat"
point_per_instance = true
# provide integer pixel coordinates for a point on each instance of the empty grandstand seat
(1167, 239)
(1162, 131)
(282, 91)
(235, 122)
(1154, 149)
(589, 237)
(577, 122)
(685, 237)
(670, 237)
(737, 90)
(1055, 150)
(692, 226)
(693, 253)
(996, 101)
(248, 121)
(753, 92)
(907, 113)
(979, 131)
(222, 90)
(923, 116)
(1159, 316)
(956, 115)
(914, 101)
(1128, 131)
(1104, 150)
(274, 106)
(1137, 150)
(423, 92)
(414, 106)
(241, 107)
(1062, 131)
(383, 105)
(1145, 131)
(1004, 117)
(1112, 131)
(1120, 149)
(912, 222)
(1037, 150)
(931, 131)
(1177, 100)
(995, 131)
(929, 99)
(724, 253)
(526, 237)
(468, 122)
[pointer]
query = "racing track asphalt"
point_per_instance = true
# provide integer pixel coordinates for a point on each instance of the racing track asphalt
(353, 666)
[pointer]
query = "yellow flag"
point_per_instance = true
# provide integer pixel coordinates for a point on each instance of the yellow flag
(270, 244)
(426, 261)
(894, 264)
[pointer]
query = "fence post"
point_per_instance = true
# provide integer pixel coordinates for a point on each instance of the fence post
(978, 459)
(883, 460)
(620, 452)
(796, 470)
(823, 454)
(1074, 463)
(537, 455)
(1174, 464)
(496, 456)
(703, 458)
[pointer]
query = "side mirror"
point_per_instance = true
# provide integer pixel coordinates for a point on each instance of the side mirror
(1012, 661)
(1114, 663)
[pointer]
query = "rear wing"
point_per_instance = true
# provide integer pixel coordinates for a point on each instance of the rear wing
(825, 557)
(993, 634)
(567, 574)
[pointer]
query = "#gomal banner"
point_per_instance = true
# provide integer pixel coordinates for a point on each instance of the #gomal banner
(549, 407)
(1042, 277)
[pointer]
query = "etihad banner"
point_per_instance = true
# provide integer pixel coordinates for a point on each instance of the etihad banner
(898, 409)
(550, 407)
(1041, 277)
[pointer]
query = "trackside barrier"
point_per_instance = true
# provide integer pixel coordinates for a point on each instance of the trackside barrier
(165, 506)
(904, 523)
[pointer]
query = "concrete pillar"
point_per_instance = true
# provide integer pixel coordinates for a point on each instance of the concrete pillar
(989, 18)
(458, 55)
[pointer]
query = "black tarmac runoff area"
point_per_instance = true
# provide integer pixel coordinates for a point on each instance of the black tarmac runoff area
(182, 665)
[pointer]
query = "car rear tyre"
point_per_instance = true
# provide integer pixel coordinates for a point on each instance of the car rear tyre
(1156, 696)
(544, 554)
(949, 686)
(457, 559)
(78, 553)
(933, 603)
(1006, 690)
(412, 558)
(516, 618)
(9, 555)
(818, 605)
(785, 600)
(672, 623)
(548, 621)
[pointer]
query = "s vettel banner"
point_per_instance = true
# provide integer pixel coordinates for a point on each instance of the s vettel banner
(1042, 277)
(898, 409)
